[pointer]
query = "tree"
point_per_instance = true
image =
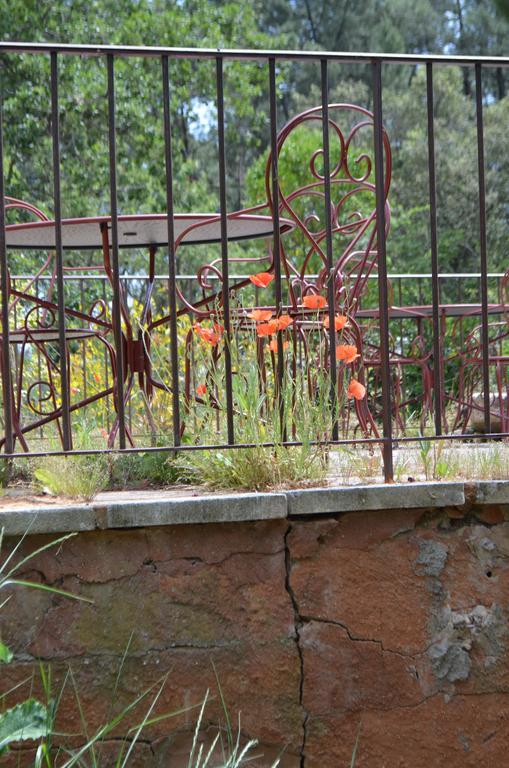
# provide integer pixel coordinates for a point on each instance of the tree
(140, 140)
(456, 26)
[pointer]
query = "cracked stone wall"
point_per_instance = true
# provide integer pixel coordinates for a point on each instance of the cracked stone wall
(387, 628)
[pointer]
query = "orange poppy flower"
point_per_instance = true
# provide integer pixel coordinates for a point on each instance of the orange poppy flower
(356, 389)
(260, 315)
(201, 389)
(266, 329)
(273, 345)
(347, 353)
(339, 322)
(314, 301)
(283, 322)
(261, 279)
(207, 334)
(213, 338)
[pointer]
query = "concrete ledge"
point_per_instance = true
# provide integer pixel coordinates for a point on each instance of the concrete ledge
(124, 510)
(231, 508)
(320, 501)
(16, 522)
(203, 509)
(492, 492)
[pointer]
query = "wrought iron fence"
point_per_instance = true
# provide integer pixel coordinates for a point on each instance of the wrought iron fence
(338, 331)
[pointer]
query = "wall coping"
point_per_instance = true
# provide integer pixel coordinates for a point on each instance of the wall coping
(134, 511)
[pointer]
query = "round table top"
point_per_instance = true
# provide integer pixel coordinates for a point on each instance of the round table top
(20, 335)
(142, 230)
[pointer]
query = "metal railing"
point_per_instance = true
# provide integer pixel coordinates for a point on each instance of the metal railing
(120, 348)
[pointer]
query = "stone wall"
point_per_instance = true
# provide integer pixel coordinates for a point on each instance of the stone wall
(387, 627)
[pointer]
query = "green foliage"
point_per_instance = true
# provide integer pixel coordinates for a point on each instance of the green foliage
(30, 719)
(140, 139)
(24, 722)
(437, 464)
(142, 469)
(256, 468)
(17, 470)
(83, 477)
(392, 25)
(388, 26)
(77, 477)
(355, 749)
(234, 754)
(257, 419)
(5, 654)
(503, 7)
(8, 571)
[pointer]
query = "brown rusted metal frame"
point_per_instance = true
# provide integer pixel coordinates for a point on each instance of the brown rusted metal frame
(130, 355)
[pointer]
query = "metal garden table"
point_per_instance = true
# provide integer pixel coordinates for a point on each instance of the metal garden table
(95, 233)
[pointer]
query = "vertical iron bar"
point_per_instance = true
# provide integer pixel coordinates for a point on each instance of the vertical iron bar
(401, 339)
(6, 367)
(328, 233)
(382, 271)
(172, 293)
(276, 240)
(64, 373)
(224, 249)
(106, 377)
(117, 320)
(16, 348)
(483, 249)
(400, 302)
(39, 362)
(124, 291)
(83, 343)
(435, 286)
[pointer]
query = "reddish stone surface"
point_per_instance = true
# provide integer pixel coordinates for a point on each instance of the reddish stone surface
(358, 571)
(490, 514)
(461, 732)
(180, 599)
(390, 626)
(404, 630)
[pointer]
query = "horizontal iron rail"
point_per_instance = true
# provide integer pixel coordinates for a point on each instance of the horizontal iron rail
(8, 46)
(395, 276)
(287, 443)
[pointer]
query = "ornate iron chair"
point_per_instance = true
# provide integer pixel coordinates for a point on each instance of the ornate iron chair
(465, 393)
(34, 339)
(353, 223)
(301, 199)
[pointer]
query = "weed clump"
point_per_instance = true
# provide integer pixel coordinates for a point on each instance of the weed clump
(77, 477)
(257, 468)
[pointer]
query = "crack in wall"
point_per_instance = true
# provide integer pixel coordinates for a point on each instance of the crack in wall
(358, 639)
(148, 562)
(298, 622)
(28, 658)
